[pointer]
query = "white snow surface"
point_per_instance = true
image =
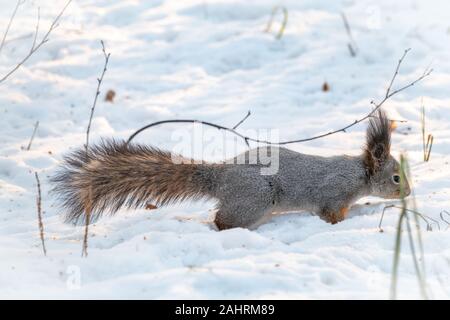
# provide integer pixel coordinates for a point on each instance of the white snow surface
(211, 60)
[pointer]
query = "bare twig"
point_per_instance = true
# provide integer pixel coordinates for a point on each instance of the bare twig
(352, 43)
(240, 122)
(396, 71)
(36, 125)
(424, 217)
(37, 29)
(88, 204)
(18, 4)
(88, 209)
(39, 211)
(387, 96)
(441, 214)
(97, 93)
(35, 47)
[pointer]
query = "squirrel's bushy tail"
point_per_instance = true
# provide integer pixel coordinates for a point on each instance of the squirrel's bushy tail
(114, 174)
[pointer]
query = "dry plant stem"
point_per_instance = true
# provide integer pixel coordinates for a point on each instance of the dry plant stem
(246, 139)
(421, 273)
(240, 122)
(441, 215)
(18, 4)
(36, 125)
(398, 241)
(397, 69)
(419, 235)
(429, 141)
(422, 121)
(37, 29)
(283, 24)
(429, 145)
(88, 209)
(425, 218)
(36, 45)
(351, 44)
(420, 270)
(88, 206)
(97, 93)
(39, 211)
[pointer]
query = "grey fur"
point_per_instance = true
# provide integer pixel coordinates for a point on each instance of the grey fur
(115, 175)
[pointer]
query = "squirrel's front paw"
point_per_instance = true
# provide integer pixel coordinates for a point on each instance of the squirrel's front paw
(334, 217)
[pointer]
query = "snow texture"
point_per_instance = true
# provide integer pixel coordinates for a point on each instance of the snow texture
(212, 60)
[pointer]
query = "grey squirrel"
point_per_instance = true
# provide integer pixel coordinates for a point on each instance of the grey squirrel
(113, 174)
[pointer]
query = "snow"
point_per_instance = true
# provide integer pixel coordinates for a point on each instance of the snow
(211, 60)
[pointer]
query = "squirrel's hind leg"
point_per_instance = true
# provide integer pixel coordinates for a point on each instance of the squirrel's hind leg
(245, 198)
(234, 215)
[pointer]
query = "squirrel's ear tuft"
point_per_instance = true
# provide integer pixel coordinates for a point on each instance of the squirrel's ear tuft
(378, 144)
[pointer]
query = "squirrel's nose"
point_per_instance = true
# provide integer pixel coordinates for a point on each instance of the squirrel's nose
(407, 191)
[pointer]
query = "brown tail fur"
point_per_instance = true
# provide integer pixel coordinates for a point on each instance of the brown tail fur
(114, 174)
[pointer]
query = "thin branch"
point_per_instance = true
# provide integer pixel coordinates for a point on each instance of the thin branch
(240, 122)
(36, 125)
(88, 209)
(39, 211)
(37, 29)
(88, 204)
(396, 71)
(97, 93)
(425, 218)
(441, 214)
(18, 4)
(35, 46)
(387, 96)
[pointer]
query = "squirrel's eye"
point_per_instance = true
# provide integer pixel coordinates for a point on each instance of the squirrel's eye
(396, 178)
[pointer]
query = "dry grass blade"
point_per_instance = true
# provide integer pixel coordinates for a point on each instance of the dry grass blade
(428, 147)
(428, 142)
(419, 268)
(283, 24)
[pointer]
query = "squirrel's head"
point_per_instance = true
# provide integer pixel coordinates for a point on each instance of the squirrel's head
(382, 169)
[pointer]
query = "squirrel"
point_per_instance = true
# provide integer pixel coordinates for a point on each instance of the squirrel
(115, 174)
